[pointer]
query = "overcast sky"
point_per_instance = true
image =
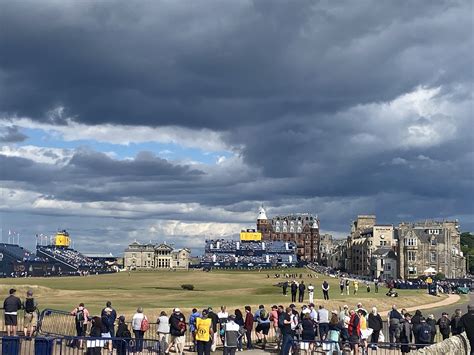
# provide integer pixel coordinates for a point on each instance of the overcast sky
(174, 120)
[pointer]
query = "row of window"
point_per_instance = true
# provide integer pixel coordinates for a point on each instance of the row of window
(411, 256)
(285, 229)
(412, 242)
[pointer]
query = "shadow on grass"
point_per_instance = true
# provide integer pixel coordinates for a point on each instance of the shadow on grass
(171, 288)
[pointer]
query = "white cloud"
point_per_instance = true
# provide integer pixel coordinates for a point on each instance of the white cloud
(423, 118)
(44, 155)
(203, 139)
(195, 229)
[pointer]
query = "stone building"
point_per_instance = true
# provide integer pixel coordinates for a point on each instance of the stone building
(302, 228)
(430, 244)
(325, 247)
(155, 256)
(384, 264)
(366, 237)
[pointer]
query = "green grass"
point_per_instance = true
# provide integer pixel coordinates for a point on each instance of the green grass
(158, 290)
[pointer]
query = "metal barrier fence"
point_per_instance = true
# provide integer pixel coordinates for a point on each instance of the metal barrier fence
(75, 346)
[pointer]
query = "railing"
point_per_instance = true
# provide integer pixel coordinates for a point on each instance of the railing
(122, 346)
(75, 345)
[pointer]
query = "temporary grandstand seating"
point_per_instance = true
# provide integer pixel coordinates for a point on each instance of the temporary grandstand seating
(70, 258)
(15, 251)
(231, 253)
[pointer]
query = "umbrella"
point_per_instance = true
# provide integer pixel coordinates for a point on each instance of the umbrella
(430, 271)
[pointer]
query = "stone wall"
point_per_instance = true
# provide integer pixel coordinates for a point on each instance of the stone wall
(458, 344)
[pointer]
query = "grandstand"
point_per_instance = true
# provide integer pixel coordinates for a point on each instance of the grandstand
(54, 259)
(70, 259)
(248, 253)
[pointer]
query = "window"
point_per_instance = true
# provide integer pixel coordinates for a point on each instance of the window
(433, 241)
(277, 229)
(411, 242)
(411, 270)
(383, 243)
(433, 257)
(411, 255)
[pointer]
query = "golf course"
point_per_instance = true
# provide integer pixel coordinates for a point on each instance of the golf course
(161, 290)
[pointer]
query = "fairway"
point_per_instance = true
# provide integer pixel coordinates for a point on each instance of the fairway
(161, 290)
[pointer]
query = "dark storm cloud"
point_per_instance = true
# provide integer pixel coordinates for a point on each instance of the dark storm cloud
(11, 135)
(217, 65)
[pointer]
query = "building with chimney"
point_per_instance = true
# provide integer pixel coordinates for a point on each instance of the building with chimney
(430, 247)
(300, 228)
(155, 256)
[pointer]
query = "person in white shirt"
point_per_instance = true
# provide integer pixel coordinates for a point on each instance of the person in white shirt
(311, 293)
(163, 330)
(137, 321)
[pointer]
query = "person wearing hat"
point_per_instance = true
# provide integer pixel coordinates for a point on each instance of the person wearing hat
(204, 333)
(177, 330)
(123, 333)
(11, 305)
(31, 314)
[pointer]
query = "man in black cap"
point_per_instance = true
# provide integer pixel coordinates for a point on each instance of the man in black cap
(11, 305)
(467, 321)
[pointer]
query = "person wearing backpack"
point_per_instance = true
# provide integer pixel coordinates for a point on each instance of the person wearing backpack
(232, 332)
(177, 330)
(423, 333)
(443, 324)
(108, 317)
(262, 317)
(124, 335)
(139, 327)
(81, 317)
(31, 314)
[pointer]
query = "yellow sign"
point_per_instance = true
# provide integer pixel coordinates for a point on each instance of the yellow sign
(62, 240)
(251, 236)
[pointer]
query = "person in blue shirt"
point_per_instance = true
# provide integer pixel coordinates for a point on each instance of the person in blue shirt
(192, 326)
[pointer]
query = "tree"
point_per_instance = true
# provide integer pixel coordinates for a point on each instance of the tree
(467, 247)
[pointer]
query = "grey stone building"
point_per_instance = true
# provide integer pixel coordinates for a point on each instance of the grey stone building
(365, 239)
(430, 244)
(156, 256)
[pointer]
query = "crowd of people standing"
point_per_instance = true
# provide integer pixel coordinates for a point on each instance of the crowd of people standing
(306, 327)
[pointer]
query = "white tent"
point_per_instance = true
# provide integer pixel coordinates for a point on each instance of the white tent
(430, 271)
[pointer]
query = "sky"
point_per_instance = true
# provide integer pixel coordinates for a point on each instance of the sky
(175, 120)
